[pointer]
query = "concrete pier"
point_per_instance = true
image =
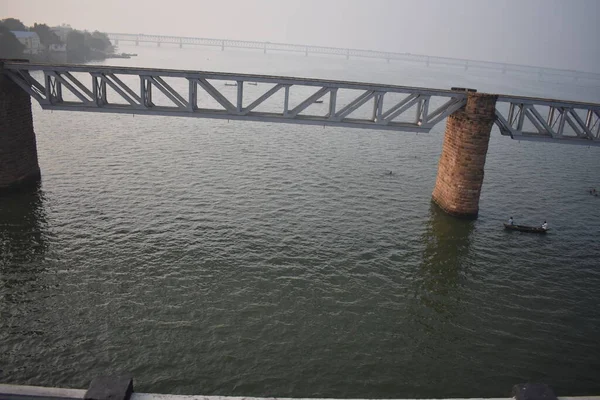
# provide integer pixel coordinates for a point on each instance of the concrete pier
(461, 167)
(18, 150)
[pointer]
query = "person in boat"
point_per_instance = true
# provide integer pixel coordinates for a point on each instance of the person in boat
(545, 226)
(511, 221)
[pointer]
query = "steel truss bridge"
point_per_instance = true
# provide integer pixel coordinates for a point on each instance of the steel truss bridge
(290, 100)
(355, 53)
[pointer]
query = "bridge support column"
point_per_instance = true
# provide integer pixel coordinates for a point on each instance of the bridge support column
(18, 151)
(460, 170)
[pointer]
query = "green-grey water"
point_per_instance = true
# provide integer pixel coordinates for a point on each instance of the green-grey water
(236, 258)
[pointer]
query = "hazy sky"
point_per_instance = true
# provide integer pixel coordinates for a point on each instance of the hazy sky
(551, 33)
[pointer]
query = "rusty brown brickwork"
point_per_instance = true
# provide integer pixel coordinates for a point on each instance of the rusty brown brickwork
(460, 171)
(18, 151)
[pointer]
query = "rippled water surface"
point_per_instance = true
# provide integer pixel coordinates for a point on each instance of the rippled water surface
(242, 258)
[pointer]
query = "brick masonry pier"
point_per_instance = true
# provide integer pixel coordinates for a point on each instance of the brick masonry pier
(18, 151)
(460, 171)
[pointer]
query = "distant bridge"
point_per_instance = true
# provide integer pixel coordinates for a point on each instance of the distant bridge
(426, 60)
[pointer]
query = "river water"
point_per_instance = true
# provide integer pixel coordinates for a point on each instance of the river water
(239, 258)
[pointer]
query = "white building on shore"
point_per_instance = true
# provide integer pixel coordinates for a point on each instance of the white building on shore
(30, 40)
(62, 31)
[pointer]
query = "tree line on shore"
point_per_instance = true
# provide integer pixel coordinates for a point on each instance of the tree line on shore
(78, 46)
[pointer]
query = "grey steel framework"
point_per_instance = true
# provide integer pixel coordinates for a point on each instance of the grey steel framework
(346, 52)
(290, 100)
(526, 118)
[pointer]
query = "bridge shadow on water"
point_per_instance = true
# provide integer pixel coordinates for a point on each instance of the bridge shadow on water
(24, 284)
(23, 243)
(444, 265)
(437, 330)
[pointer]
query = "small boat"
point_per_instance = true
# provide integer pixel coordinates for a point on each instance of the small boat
(230, 84)
(118, 55)
(318, 101)
(252, 83)
(525, 228)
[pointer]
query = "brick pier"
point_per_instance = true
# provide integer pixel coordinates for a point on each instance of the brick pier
(18, 151)
(460, 171)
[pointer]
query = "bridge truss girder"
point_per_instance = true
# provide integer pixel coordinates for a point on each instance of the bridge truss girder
(389, 107)
(166, 92)
(541, 119)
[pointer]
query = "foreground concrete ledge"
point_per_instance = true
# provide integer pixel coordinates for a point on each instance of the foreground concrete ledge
(37, 392)
(18, 392)
(150, 396)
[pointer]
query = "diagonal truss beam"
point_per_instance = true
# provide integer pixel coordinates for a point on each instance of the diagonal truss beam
(121, 89)
(28, 84)
(307, 102)
(61, 81)
(215, 94)
(168, 91)
(125, 88)
(354, 105)
(443, 111)
(399, 108)
(261, 99)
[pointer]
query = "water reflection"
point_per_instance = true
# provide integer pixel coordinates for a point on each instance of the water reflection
(23, 242)
(445, 261)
